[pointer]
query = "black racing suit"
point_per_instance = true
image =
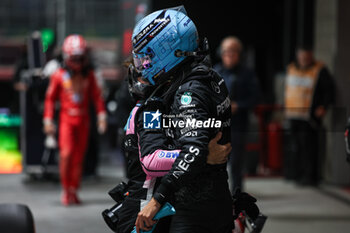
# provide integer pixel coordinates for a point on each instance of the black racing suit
(203, 201)
(143, 170)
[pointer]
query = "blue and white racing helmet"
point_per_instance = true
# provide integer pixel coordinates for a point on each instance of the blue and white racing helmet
(159, 41)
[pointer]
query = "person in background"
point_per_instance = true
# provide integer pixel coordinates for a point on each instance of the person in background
(309, 90)
(75, 86)
(244, 92)
(91, 159)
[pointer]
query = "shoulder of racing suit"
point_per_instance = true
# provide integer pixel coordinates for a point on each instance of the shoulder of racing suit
(130, 140)
(135, 126)
(154, 150)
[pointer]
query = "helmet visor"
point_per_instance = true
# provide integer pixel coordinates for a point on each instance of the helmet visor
(142, 61)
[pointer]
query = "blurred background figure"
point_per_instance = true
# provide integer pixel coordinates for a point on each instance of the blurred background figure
(91, 159)
(309, 91)
(244, 93)
(75, 86)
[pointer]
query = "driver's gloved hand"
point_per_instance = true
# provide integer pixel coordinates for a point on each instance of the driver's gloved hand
(244, 201)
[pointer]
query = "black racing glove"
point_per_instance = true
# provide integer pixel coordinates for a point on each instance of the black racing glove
(242, 201)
